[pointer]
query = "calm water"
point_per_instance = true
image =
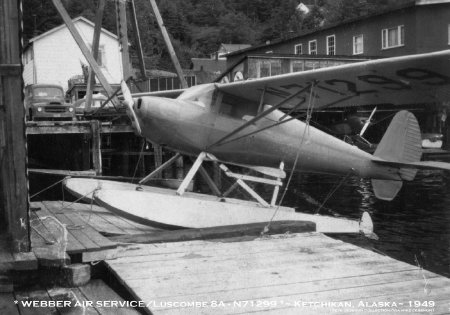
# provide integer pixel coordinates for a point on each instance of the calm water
(414, 227)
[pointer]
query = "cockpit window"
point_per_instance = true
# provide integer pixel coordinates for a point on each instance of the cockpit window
(202, 95)
(237, 107)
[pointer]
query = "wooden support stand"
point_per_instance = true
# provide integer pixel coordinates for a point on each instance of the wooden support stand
(240, 179)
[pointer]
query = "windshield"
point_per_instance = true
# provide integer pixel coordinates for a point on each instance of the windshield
(47, 92)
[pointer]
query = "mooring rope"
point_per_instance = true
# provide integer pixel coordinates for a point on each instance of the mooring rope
(309, 112)
(47, 188)
(332, 192)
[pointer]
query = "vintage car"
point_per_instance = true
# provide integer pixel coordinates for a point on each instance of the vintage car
(46, 102)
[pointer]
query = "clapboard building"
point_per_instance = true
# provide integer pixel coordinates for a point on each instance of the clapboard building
(54, 57)
(414, 27)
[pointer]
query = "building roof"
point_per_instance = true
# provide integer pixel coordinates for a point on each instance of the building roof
(234, 47)
(209, 65)
(403, 5)
(75, 20)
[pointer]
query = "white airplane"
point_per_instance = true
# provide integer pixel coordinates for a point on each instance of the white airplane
(241, 122)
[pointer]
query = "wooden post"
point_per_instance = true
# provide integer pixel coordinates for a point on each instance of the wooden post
(96, 146)
(84, 49)
(276, 190)
(169, 46)
(13, 153)
(95, 44)
(122, 32)
(137, 36)
(157, 155)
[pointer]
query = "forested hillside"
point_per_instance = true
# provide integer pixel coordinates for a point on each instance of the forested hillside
(199, 26)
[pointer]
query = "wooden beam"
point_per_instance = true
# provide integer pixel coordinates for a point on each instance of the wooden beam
(212, 185)
(75, 128)
(122, 30)
(222, 232)
(13, 178)
(10, 70)
(96, 147)
(190, 175)
(95, 44)
(84, 49)
(276, 189)
(159, 169)
(137, 36)
(169, 46)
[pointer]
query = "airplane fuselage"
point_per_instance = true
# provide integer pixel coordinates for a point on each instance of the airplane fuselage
(190, 125)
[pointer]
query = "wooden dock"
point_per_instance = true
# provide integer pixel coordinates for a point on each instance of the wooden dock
(65, 301)
(306, 273)
(74, 127)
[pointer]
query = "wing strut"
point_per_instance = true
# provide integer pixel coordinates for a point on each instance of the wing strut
(259, 116)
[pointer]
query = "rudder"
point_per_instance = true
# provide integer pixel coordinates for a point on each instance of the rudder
(400, 143)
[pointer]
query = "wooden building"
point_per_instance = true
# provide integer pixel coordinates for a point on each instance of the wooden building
(46, 58)
(416, 27)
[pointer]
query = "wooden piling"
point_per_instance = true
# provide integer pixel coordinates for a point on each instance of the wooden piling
(96, 147)
(95, 45)
(13, 179)
(122, 29)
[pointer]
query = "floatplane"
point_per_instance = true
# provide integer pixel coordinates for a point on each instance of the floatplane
(253, 124)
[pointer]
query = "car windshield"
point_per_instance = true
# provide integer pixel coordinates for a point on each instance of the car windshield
(47, 92)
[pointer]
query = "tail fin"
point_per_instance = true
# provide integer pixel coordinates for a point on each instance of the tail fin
(400, 147)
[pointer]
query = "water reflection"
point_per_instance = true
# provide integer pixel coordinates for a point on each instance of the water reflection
(414, 227)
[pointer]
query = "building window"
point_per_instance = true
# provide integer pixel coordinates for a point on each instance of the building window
(312, 47)
(358, 44)
(269, 68)
(298, 49)
(331, 45)
(393, 37)
(297, 65)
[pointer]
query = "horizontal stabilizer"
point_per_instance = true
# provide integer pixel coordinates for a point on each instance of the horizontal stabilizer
(416, 165)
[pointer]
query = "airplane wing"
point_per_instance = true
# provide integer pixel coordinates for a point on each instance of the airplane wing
(167, 93)
(406, 80)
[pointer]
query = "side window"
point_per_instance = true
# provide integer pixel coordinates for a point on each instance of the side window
(312, 47)
(331, 45)
(358, 44)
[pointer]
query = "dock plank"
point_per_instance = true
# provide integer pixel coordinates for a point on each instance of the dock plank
(34, 295)
(115, 224)
(73, 244)
(7, 305)
(97, 290)
(93, 235)
(80, 229)
(74, 296)
(307, 267)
